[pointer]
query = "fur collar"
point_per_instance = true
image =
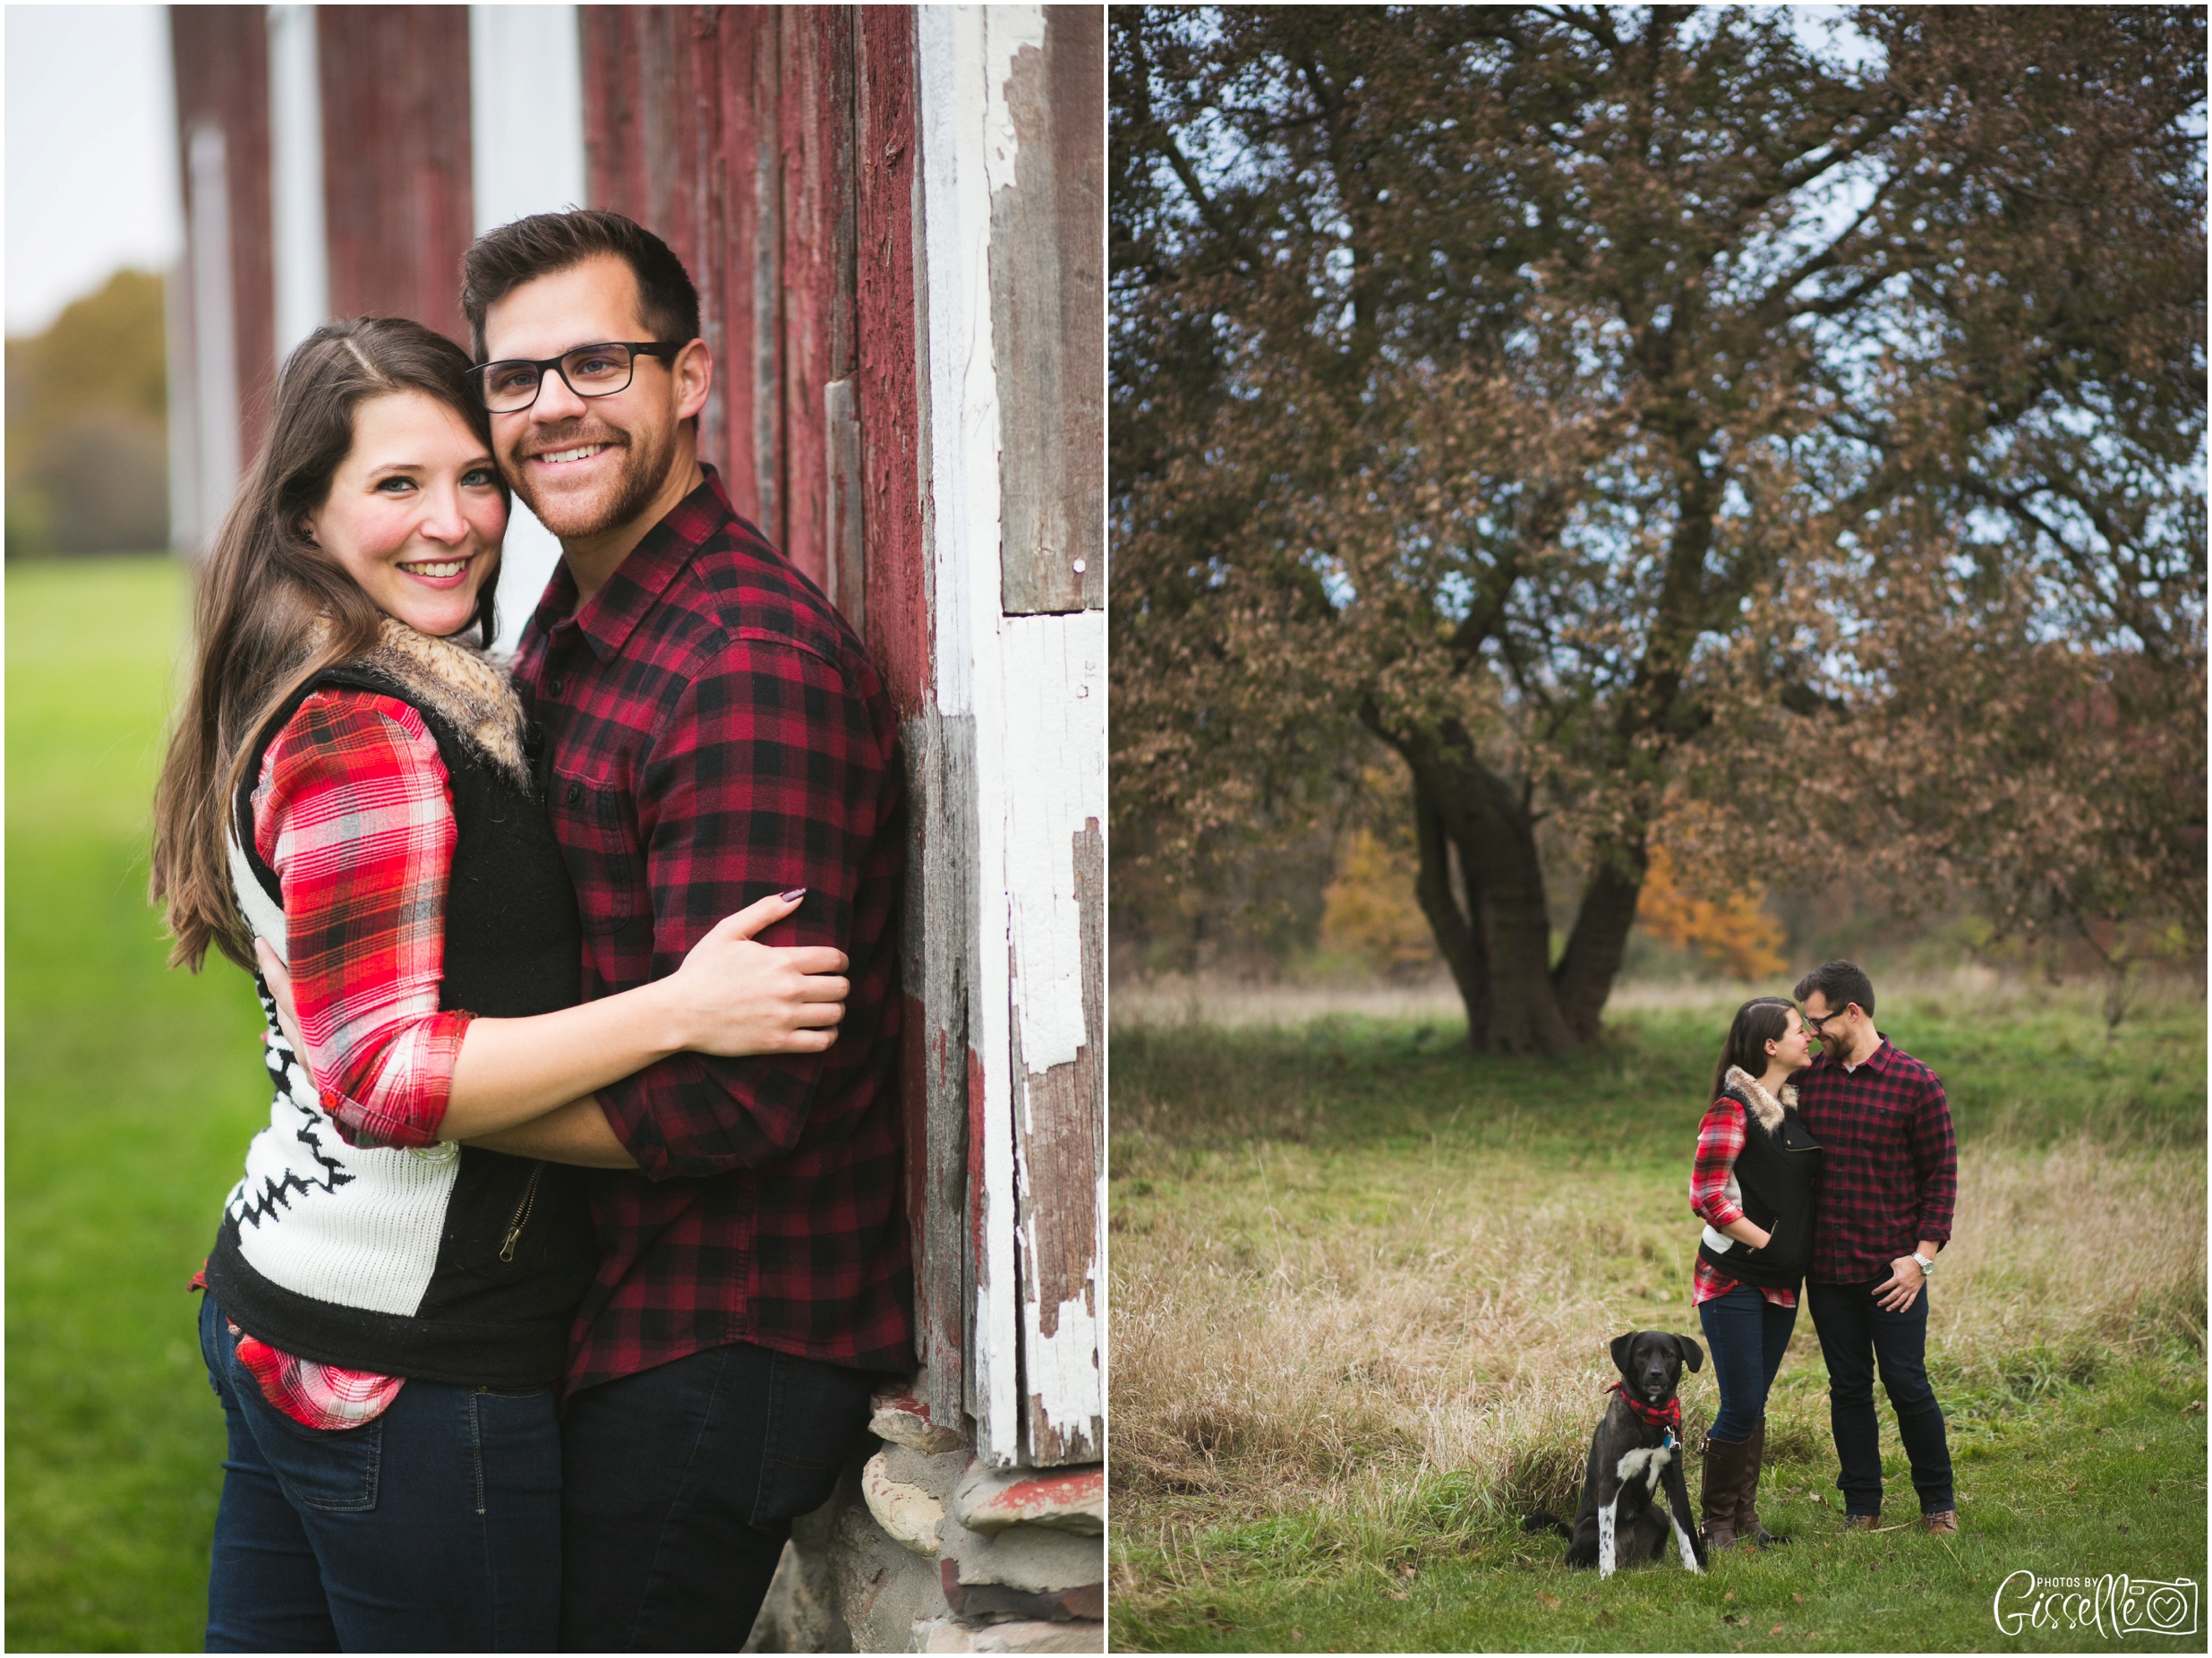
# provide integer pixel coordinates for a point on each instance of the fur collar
(1764, 1106)
(473, 696)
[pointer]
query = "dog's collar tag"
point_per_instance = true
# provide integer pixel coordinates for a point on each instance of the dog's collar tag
(1672, 1441)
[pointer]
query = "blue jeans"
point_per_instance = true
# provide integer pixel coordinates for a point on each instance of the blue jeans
(1746, 1335)
(434, 1529)
(1857, 1337)
(682, 1485)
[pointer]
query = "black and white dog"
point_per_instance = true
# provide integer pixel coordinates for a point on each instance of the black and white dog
(1635, 1453)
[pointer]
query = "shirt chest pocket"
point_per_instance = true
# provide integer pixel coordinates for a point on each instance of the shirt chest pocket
(596, 826)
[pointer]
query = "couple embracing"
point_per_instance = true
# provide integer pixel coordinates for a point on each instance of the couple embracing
(559, 1280)
(1837, 1174)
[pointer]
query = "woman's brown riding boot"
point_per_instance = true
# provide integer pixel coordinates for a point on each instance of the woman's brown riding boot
(1748, 1530)
(1720, 1496)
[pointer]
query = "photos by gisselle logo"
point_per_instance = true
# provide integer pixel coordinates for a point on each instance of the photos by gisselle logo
(2113, 1605)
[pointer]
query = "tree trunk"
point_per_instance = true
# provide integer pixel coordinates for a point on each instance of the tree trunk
(1600, 937)
(1493, 925)
(1456, 924)
(1495, 932)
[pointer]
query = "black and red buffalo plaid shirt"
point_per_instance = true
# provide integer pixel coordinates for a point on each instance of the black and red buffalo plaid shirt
(1888, 1170)
(714, 734)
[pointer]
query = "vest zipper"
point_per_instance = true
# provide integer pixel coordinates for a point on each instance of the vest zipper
(522, 1212)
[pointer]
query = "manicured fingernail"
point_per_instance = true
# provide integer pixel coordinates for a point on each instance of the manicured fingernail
(794, 896)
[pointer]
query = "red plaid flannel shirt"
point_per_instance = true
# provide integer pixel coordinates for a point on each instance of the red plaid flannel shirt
(354, 813)
(715, 734)
(1719, 1142)
(1889, 1173)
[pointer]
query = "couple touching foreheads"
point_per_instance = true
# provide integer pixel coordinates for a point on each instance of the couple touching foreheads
(559, 1280)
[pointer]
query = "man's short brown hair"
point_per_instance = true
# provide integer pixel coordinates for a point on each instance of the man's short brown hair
(501, 260)
(1840, 984)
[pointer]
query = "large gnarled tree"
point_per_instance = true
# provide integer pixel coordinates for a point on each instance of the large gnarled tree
(1568, 395)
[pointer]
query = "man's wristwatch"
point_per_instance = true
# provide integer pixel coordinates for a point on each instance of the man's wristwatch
(1927, 1267)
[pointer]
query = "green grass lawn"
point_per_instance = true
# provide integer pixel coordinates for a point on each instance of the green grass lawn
(131, 1092)
(1359, 1280)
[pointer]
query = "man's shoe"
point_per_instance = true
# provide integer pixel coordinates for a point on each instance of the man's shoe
(1862, 1522)
(1748, 1531)
(1944, 1525)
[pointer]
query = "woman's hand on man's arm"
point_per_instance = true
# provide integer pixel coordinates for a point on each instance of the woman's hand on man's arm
(731, 996)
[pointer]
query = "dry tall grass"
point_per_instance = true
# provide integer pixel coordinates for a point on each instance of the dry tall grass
(1310, 1334)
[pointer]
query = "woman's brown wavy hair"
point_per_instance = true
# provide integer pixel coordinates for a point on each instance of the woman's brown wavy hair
(262, 591)
(1762, 1019)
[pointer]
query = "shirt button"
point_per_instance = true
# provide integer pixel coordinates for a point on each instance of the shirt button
(576, 794)
(555, 686)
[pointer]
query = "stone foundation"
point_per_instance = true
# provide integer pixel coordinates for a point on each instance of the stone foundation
(924, 1550)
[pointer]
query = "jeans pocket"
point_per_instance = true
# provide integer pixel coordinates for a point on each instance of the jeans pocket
(333, 1469)
(814, 1413)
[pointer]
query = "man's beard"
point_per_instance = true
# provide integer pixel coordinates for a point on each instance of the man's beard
(643, 471)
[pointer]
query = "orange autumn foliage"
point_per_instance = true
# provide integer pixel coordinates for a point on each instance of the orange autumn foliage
(1370, 909)
(1735, 934)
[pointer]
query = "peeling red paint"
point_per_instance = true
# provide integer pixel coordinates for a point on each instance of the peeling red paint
(221, 57)
(899, 626)
(397, 196)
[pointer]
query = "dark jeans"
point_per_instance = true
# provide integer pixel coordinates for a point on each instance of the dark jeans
(1746, 1335)
(434, 1529)
(1857, 1337)
(682, 1482)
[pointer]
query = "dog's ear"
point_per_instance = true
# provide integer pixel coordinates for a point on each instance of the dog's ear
(1693, 1355)
(1620, 1351)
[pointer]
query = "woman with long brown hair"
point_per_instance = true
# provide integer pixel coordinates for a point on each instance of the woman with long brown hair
(350, 802)
(1753, 1184)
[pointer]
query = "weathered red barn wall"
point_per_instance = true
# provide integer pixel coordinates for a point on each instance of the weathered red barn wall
(774, 149)
(728, 131)
(398, 207)
(816, 48)
(887, 352)
(887, 348)
(221, 62)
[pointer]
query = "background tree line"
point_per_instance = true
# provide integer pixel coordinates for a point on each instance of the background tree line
(1671, 434)
(87, 425)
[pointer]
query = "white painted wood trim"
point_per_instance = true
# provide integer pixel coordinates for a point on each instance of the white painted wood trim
(215, 337)
(302, 249)
(1034, 687)
(953, 104)
(526, 85)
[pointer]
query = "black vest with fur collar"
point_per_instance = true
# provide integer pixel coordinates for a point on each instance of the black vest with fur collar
(1777, 1176)
(448, 1263)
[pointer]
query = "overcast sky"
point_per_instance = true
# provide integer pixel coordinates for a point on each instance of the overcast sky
(92, 172)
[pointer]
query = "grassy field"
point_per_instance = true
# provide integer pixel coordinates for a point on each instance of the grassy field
(1363, 1286)
(131, 1094)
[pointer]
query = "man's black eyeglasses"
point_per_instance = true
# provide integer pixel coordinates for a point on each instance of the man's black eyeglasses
(511, 385)
(1814, 1025)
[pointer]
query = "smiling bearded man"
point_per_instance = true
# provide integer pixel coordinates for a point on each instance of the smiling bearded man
(713, 732)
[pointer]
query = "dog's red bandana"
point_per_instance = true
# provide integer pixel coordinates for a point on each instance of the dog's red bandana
(1667, 1415)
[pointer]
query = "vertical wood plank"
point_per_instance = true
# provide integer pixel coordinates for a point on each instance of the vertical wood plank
(1048, 321)
(899, 630)
(1054, 686)
(220, 59)
(396, 160)
(888, 351)
(746, 260)
(818, 275)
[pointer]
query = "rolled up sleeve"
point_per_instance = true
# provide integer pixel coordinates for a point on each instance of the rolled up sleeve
(1719, 1142)
(356, 815)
